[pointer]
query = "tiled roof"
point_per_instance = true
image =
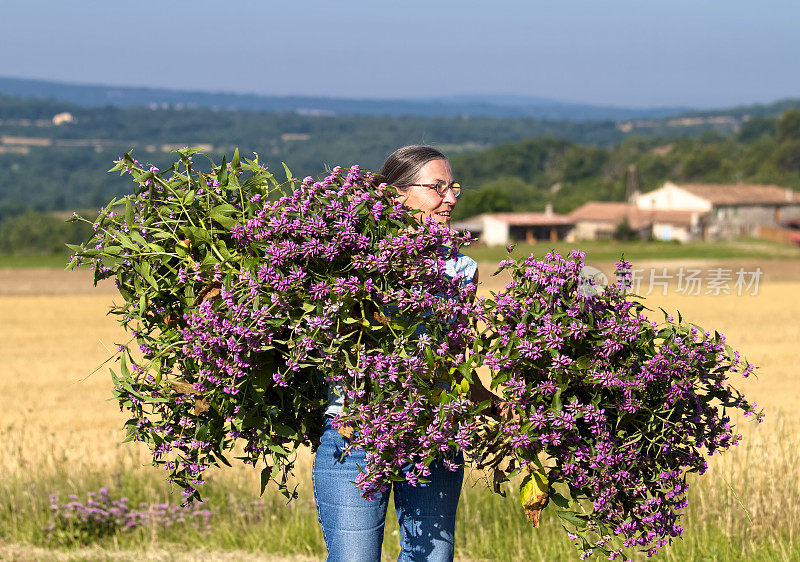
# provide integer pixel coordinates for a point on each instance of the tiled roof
(602, 211)
(531, 219)
(742, 194)
(613, 212)
(516, 219)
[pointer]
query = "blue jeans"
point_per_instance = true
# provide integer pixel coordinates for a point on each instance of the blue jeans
(353, 527)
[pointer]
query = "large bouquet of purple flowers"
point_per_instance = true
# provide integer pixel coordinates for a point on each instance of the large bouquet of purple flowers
(249, 299)
(608, 410)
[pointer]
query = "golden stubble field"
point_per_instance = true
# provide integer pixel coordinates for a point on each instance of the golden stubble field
(54, 332)
(54, 414)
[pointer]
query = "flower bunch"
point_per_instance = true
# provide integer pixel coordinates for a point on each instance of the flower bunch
(252, 301)
(249, 299)
(607, 410)
(101, 515)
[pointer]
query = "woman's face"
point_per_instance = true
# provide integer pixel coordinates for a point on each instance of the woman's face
(427, 200)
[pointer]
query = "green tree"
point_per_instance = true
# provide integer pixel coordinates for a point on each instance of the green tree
(35, 232)
(787, 156)
(704, 163)
(624, 231)
(581, 162)
(789, 126)
(502, 195)
(755, 128)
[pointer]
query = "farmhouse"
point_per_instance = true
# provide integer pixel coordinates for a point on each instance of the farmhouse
(724, 211)
(495, 229)
(599, 220)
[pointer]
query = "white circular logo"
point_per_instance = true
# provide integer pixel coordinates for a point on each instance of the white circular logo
(592, 281)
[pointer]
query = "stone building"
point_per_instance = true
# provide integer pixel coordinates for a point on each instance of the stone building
(725, 211)
(599, 220)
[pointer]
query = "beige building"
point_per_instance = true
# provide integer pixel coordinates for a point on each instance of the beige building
(599, 220)
(725, 211)
(691, 212)
(494, 229)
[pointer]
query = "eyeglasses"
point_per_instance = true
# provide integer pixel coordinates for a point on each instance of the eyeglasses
(440, 187)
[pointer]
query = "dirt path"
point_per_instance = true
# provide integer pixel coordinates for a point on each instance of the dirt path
(43, 281)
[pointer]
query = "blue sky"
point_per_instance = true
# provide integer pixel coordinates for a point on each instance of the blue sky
(699, 53)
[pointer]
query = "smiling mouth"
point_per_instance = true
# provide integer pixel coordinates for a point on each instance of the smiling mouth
(444, 214)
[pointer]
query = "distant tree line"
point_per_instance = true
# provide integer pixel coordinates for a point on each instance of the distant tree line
(529, 174)
(33, 232)
(65, 177)
(507, 164)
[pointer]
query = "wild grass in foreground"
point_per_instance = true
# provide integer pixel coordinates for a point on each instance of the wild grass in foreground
(746, 507)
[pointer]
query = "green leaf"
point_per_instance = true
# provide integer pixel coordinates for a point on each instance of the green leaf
(558, 499)
(225, 209)
(283, 431)
(222, 458)
(135, 236)
(556, 405)
(577, 519)
(222, 173)
(288, 172)
(265, 474)
(126, 242)
(223, 248)
(147, 275)
(196, 234)
(128, 211)
(429, 358)
(275, 448)
(201, 432)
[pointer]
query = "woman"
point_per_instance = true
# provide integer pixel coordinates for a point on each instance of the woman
(352, 526)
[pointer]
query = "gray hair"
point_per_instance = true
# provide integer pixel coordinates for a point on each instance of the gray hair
(403, 165)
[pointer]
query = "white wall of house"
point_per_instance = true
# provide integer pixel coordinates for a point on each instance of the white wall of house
(670, 197)
(591, 230)
(668, 232)
(495, 232)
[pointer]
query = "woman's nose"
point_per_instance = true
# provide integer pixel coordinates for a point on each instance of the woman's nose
(449, 196)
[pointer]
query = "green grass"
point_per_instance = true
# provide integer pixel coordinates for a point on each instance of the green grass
(34, 261)
(595, 251)
(611, 250)
(488, 528)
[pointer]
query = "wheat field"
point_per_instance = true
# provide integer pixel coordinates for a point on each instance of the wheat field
(62, 434)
